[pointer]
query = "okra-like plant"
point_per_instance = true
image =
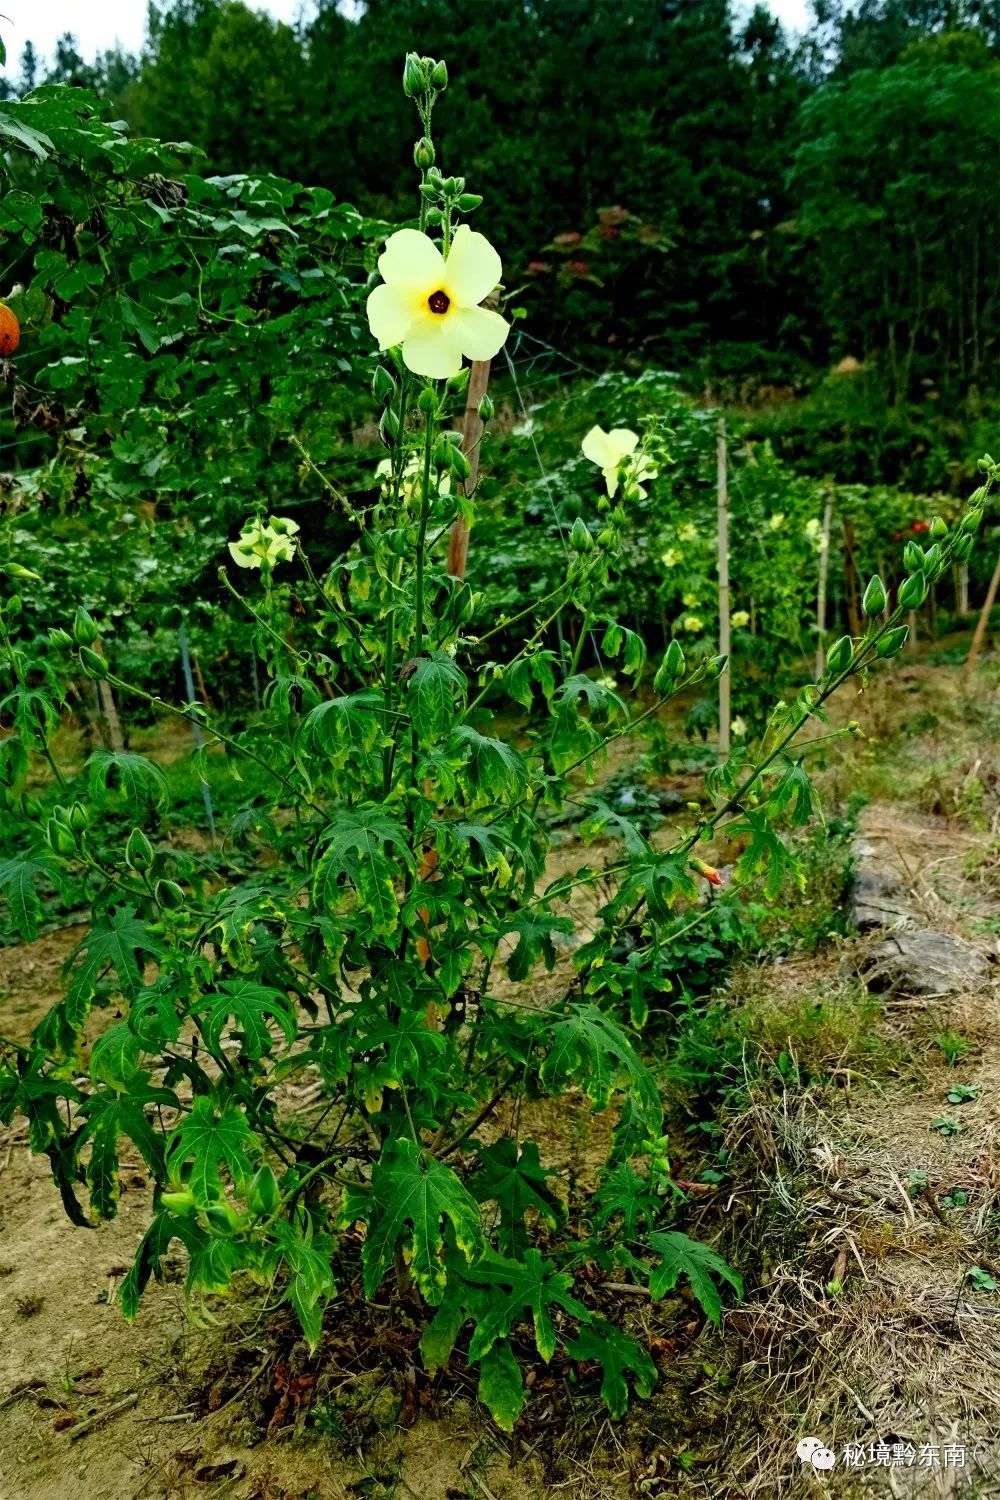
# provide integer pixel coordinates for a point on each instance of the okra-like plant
(376, 922)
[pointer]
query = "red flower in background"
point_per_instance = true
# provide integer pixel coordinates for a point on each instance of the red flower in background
(579, 267)
(921, 526)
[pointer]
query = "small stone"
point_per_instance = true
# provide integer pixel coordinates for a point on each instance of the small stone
(878, 900)
(925, 963)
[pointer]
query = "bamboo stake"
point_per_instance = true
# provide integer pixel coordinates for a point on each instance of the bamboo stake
(824, 564)
(982, 622)
(722, 494)
(472, 432)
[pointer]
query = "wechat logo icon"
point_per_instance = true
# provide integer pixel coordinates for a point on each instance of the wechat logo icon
(812, 1451)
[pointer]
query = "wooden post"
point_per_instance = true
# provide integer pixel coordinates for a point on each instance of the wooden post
(722, 496)
(824, 564)
(472, 431)
(851, 582)
(982, 622)
(963, 588)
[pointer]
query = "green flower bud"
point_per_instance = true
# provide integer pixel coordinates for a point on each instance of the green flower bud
(58, 637)
(458, 463)
(383, 385)
(715, 666)
(414, 76)
(938, 529)
(84, 629)
(459, 382)
(580, 538)
(673, 659)
(221, 1218)
(839, 656)
(913, 557)
(178, 1201)
(423, 153)
(13, 605)
(432, 217)
(93, 665)
(912, 591)
(79, 817)
(59, 838)
(874, 600)
(388, 427)
(169, 895)
(469, 202)
(439, 76)
(963, 547)
(429, 192)
(893, 641)
(138, 851)
(971, 522)
(932, 560)
(427, 401)
(485, 409)
(264, 1195)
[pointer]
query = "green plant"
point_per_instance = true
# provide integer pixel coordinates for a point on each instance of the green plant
(961, 1093)
(947, 1125)
(953, 1045)
(381, 907)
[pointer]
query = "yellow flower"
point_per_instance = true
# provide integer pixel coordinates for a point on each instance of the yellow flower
(671, 557)
(413, 478)
(738, 729)
(609, 450)
(688, 533)
(259, 544)
(693, 624)
(739, 619)
(689, 600)
(430, 305)
(777, 520)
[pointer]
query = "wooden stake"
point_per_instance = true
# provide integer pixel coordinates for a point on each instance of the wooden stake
(472, 431)
(824, 564)
(982, 622)
(851, 582)
(722, 494)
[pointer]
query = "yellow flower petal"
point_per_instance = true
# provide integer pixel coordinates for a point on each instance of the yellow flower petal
(472, 269)
(622, 440)
(597, 447)
(411, 259)
(431, 348)
(480, 332)
(391, 313)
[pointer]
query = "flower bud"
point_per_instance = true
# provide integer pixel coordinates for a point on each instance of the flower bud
(169, 895)
(388, 427)
(84, 629)
(433, 216)
(383, 385)
(264, 1195)
(138, 851)
(962, 550)
(913, 557)
(469, 202)
(893, 641)
(673, 659)
(423, 153)
(427, 401)
(874, 600)
(58, 637)
(93, 665)
(79, 817)
(485, 409)
(971, 521)
(580, 538)
(459, 382)
(912, 591)
(414, 76)
(938, 529)
(458, 463)
(839, 656)
(58, 838)
(710, 873)
(439, 76)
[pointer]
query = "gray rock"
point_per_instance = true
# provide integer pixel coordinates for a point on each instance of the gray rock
(925, 963)
(878, 900)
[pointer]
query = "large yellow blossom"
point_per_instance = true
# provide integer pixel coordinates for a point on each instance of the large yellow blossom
(430, 305)
(609, 450)
(265, 545)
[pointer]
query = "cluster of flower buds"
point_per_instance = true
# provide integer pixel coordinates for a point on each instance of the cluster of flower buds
(423, 75)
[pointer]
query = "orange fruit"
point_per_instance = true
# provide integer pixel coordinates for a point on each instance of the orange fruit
(10, 332)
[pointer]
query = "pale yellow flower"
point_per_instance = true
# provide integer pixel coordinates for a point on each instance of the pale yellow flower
(738, 729)
(777, 520)
(689, 601)
(430, 305)
(413, 478)
(259, 544)
(693, 624)
(609, 451)
(739, 619)
(688, 533)
(671, 557)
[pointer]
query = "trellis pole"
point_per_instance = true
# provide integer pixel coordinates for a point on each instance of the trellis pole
(981, 624)
(824, 567)
(722, 514)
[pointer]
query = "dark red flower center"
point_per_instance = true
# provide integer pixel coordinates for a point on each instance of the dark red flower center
(439, 302)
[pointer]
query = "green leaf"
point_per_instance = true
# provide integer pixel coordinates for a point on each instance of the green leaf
(249, 1007)
(205, 1141)
(512, 1176)
(113, 943)
(354, 850)
(18, 877)
(412, 1195)
(436, 695)
(306, 1258)
(501, 1388)
(114, 1059)
(619, 1355)
(589, 1050)
(109, 1117)
(534, 929)
(495, 768)
(681, 1256)
(124, 779)
(533, 1286)
(624, 1195)
(148, 1262)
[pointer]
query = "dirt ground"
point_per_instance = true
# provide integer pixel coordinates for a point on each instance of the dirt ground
(862, 1326)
